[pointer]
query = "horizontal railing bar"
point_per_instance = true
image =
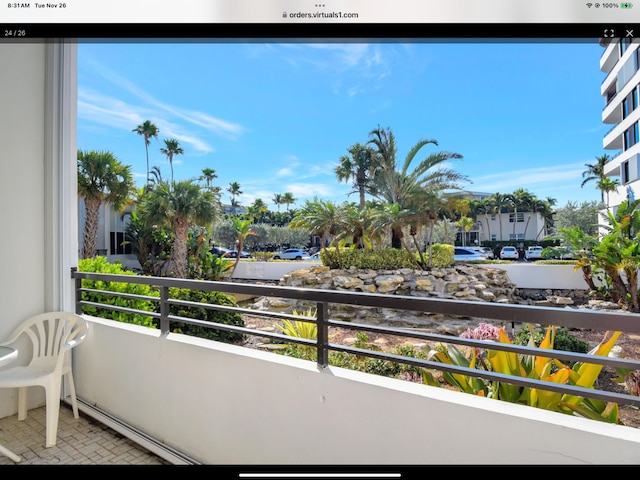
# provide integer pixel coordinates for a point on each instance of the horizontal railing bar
(121, 294)
(118, 308)
(571, 318)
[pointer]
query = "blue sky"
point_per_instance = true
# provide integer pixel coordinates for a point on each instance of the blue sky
(277, 118)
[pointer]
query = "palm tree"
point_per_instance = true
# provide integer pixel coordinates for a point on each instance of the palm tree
(234, 190)
(522, 201)
(277, 200)
(322, 218)
(260, 208)
(243, 230)
(101, 178)
(148, 131)
(208, 175)
(180, 207)
(595, 171)
(288, 199)
(398, 186)
(465, 223)
(499, 202)
(358, 166)
(607, 185)
(171, 149)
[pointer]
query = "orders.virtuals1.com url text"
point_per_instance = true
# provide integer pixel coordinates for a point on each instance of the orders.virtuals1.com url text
(319, 15)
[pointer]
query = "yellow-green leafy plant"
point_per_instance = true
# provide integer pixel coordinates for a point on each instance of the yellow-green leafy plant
(535, 367)
(301, 329)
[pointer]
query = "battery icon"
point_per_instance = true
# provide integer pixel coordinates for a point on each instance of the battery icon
(626, 5)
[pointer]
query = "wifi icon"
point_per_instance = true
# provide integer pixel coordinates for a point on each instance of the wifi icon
(589, 5)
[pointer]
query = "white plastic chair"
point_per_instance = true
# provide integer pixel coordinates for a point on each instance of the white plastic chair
(52, 336)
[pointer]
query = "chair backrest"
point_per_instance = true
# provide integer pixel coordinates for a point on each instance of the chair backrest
(52, 335)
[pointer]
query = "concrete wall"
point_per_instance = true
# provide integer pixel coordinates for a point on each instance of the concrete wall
(223, 404)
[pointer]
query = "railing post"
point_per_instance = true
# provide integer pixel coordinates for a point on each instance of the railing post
(323, 334)
(164, 310)
(76, 293)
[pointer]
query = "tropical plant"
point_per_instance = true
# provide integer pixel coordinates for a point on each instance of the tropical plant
(101, 178)
(208, 176)
(277, 200)
(359, 167)
(595, 172)
(148, 131)
(301, 329)
(171, 149)
(100, 264)
(234, 190)
(243, 230)
(547, 369)
(180, 207)
(205, 314)
(400, 185)
(288, 199)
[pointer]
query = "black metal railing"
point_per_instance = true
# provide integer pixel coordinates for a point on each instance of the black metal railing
(513, 314)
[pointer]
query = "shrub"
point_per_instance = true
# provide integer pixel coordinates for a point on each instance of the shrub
(101, 265)
(206, 314)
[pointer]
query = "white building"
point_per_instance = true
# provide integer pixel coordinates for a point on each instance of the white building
(620, 92)
(506, 226)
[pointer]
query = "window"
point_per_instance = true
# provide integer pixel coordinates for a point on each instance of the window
(624, 44)
(624, 172)
(631, 135)
(519, 217)
(116, 240)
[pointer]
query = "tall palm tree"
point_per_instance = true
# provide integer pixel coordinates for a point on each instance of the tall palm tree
(234, 190)
(243, 230)
(397, 185)
(277, 200)
(260, 208)
(171, 148)
(180, 207)
(288, 199)
(208, 176)
(521, 201)
(148, 131)
(499, 203)
(101, 178)
(595, 171)
(358, 166)
(607, 185)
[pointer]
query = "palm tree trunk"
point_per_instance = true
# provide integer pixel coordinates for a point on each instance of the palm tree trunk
(179, 249)
(90, 238)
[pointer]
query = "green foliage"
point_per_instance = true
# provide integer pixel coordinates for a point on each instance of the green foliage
(563, 340)
(208, 266)
(206, 314)
(101, 265)
(539, 367)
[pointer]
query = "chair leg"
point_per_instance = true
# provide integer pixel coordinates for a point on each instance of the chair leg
(5, 451)
(53, 412)
(22, 403)
(72, 392)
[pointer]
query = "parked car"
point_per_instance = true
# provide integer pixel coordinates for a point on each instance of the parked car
(234, 254)
(315, 256)
(486, 250)
(467, 253)
(220, 251)
(509, 253)
(291, 254)
(533, 252)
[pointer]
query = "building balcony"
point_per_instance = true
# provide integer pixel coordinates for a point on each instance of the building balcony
(189, 400)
